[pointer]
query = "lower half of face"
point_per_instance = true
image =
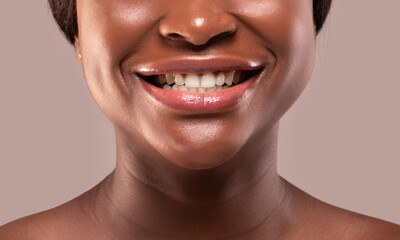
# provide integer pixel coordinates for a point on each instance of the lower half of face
(195, 81)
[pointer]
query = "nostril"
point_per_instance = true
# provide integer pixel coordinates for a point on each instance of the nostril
(225, 34)
(198, 31)
(200, 40)
(175, 36)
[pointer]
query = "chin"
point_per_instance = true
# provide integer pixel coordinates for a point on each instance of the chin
(200, 158)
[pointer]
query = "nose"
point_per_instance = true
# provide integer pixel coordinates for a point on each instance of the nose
(197, 22)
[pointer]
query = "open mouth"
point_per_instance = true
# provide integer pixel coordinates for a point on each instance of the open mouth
(200, 83)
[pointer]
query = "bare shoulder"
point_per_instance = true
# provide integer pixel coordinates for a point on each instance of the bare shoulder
(23, 229)
(320, 220)
(344, 224)
(366, 227)
(57, 223)
(36, 226)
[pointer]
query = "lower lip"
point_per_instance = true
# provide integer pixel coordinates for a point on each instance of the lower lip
(190, 102)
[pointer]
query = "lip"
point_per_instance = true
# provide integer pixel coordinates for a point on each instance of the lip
(197, 64)
(200, 103)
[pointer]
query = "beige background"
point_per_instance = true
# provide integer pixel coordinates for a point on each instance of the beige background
(340, 142)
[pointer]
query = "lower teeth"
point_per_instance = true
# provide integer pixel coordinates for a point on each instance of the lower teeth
(195, 89)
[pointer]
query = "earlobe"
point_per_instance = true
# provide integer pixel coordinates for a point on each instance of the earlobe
(77, 48)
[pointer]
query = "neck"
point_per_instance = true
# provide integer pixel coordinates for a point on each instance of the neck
(151, 196)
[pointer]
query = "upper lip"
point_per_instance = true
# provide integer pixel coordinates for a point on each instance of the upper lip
(197, 64)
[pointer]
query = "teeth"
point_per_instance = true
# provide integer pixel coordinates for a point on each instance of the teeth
(208, 80)
(195, 89)
(229, 78)
(236, 79)
(183, 88)
(220, 80)
(162, 79)
(179, 79)
(169, 78)
(201, 90)
(211, 89)
(192, 80)
(202, 83)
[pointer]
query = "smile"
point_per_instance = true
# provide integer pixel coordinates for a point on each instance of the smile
(200, 86)
(200, 83)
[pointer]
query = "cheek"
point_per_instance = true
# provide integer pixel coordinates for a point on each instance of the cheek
(114, 27)
(286, 28)
(109, 31)
(280, 24)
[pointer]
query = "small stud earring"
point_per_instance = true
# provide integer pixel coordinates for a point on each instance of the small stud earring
(80, 56)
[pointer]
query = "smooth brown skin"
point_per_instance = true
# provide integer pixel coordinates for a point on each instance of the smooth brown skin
(181, 176)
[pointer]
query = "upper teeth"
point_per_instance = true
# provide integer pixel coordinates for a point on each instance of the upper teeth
(206, 80)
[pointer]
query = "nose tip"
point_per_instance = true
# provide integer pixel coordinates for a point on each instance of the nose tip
(197, 28)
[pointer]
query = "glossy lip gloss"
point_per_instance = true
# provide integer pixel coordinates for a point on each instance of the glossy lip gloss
(201, 103)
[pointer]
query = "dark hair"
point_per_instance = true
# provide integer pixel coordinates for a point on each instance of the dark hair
(64, 12)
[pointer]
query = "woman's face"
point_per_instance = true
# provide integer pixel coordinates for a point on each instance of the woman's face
(130, 48)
